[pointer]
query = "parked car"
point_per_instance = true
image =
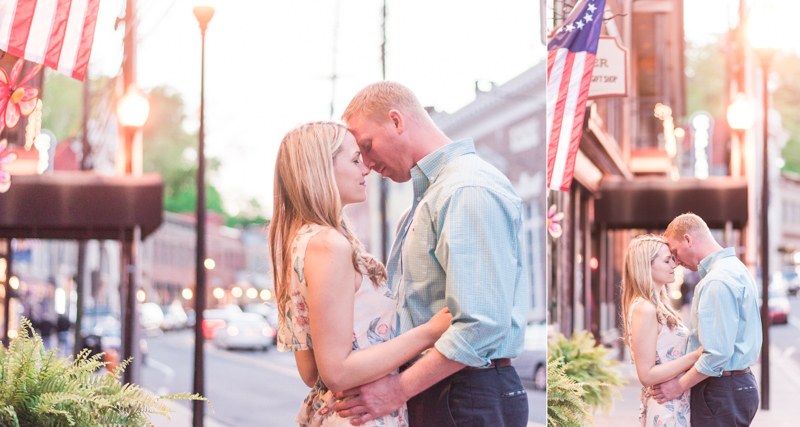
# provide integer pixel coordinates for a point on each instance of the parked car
(216, 319)
(531, 364)
(151, 318)
(792, 281)
(103, 334)
(779, 306)
(174, 317)
(245, 331)
(269, 312)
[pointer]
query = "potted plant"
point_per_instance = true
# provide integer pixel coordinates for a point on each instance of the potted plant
(39, 389)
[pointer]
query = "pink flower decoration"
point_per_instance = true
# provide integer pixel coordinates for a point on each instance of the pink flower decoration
(552, 222)
(16, 100)
(5, 158)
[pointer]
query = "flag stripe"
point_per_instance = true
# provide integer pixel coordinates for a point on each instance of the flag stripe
(570, 65)
(6, 20)
(85, 51)
(72, 37)
(569, 105)
(577, 127)
(39, 32)
(57, 34)
(23, 15)
(558, 102)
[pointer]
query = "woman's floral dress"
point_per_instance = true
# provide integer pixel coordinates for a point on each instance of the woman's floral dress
(670, 345)
(373, 323)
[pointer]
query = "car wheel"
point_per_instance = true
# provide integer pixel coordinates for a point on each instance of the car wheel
(540, 377)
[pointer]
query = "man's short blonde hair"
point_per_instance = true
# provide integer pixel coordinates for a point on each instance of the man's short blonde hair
(687, 223)
(377, 99)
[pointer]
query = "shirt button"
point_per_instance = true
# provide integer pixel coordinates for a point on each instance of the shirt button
(418, 198)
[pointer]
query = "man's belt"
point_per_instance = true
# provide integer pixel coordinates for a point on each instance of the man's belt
(729, 373)
(496, 363)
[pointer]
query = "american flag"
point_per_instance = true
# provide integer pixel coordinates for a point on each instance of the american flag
(570, 63)
(56, 33)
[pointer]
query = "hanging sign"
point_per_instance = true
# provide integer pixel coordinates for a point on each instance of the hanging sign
(610, 77)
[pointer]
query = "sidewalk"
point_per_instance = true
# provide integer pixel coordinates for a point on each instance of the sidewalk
(784, 395)
(182, 417)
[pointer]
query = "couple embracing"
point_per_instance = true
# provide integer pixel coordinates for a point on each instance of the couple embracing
(698, 377)
(427, 339)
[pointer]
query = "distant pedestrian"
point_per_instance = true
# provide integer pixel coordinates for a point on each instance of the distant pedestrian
(62, 330)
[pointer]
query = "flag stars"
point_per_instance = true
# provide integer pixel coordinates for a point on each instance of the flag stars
(569, 28)
(580, 25)
(587, 17)
(592, 7)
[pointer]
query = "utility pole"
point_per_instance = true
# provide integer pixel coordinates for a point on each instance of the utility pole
(384, 184)
(81, 274)
(130, 248)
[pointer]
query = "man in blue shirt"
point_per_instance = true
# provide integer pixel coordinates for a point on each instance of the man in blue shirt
(458, 245)
(725, 321)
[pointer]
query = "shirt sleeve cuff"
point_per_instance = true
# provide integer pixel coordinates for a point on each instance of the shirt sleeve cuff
(703, 367)
(454, 347)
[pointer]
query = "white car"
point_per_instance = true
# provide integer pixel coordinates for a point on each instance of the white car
(245, 331)
(531, 364)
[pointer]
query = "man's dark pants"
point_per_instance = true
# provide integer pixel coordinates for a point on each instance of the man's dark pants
(491, 397)
(729, 401)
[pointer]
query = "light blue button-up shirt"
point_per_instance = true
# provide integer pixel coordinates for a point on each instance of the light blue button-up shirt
(725, 317)
(460, 246)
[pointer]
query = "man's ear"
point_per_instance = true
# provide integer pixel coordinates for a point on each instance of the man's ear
(397, 121)
(689, 240)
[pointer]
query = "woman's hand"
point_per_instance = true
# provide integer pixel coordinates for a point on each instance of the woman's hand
(438, 324)
(697, 353)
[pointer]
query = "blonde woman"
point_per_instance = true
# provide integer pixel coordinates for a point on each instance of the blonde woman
(655, 333)
(330, 292)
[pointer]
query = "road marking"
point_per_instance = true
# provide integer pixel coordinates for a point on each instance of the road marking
(283, 370)
(161, 367)
(794, 322)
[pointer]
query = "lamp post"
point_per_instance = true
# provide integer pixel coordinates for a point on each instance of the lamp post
(204, 15)
(762, 36)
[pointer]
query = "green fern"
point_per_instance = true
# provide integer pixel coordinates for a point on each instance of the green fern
(38, 389)
(565, 404)
(589, 364)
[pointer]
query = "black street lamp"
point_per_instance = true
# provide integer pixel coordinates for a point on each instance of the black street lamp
(763, 40)
(203, 14)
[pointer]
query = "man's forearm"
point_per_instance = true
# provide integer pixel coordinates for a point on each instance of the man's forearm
(691, 378)
(427, 371)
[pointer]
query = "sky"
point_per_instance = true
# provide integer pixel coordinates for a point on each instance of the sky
(269, 64)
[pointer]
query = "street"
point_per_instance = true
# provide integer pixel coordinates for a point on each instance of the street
(246, 388)
(787, 337)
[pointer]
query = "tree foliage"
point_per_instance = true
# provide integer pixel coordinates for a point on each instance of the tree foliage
(172, 152)
(786, 99)
(706, 87)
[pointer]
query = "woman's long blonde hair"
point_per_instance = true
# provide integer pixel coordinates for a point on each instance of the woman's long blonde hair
(637, 281)
(306, 193)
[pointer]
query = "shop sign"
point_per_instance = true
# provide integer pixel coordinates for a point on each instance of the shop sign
(610, 76)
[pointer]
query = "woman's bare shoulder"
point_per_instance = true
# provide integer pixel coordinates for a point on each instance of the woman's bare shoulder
(644, 308)
(328, 242)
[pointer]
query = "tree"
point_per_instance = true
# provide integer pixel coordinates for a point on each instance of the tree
(62, 104)
(705, 78)
(171, 151)
(705, 85)
(252, 214)
(786, 99)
